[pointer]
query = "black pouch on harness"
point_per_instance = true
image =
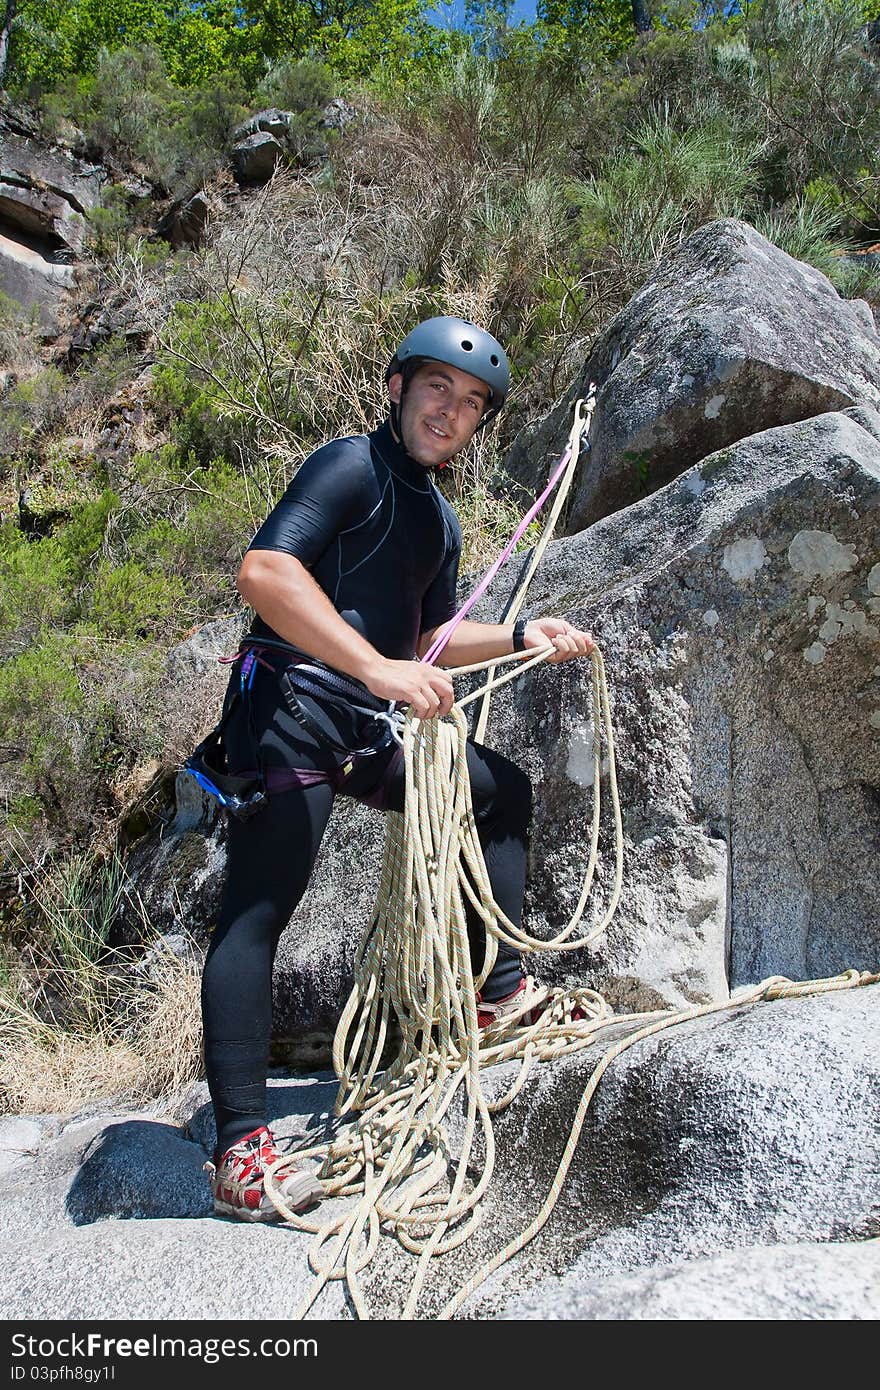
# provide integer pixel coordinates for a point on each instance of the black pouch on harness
(241, 796)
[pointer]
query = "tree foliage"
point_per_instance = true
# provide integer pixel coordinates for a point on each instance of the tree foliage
(52, 39)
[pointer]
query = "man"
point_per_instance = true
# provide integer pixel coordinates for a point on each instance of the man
(352, 576)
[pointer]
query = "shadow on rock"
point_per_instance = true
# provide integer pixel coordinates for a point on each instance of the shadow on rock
(300, 1110)
(140, 1168)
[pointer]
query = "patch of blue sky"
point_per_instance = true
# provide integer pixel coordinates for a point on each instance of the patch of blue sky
(450, 13)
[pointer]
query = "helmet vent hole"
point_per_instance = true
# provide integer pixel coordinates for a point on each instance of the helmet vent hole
(467, 345)
(494, 360)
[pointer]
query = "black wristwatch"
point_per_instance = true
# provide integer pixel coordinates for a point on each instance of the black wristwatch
(519, 634)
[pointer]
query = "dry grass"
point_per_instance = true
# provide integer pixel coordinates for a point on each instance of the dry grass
(79, 1021)
(168, 1044)
(46, 1069)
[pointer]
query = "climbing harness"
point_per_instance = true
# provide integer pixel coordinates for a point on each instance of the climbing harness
(310, 690)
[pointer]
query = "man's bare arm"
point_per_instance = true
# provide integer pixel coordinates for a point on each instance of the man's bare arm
(284, 594)
(474, 642)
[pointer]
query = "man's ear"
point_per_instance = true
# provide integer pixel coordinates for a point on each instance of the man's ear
(395, 387)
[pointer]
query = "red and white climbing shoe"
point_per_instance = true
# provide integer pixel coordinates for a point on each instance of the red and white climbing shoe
(237, 1180)
(522, 1008)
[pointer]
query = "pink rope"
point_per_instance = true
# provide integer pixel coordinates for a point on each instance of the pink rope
(436, 648)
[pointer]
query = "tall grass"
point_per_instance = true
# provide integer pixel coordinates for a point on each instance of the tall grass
(78, 1020)
(667, 183)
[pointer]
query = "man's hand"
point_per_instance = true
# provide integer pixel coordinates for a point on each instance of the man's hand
(428, 690)
(569, 641)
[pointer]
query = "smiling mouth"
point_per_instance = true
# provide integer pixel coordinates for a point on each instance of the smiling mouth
(436, 431)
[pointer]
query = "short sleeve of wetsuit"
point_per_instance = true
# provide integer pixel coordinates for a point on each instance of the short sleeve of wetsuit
(327, 496)
(440, 602)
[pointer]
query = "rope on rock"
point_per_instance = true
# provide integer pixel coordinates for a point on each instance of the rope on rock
(393, 1161)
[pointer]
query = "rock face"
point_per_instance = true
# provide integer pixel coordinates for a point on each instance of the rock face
(30, 277)
(46, 193)
(728, 337)
(737, 609)
(728, 1168)
(725, 1135)
(46, 197)
(802, 1281)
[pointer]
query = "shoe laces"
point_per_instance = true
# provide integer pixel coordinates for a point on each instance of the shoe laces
(251, 1156)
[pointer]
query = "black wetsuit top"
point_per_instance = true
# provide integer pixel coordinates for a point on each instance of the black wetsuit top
(378, 537)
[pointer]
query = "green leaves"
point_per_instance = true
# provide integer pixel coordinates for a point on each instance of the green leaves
(53, 39)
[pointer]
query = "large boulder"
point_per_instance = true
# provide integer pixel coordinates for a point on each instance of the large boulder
(255, 158)
(184, 223)
(729, 336)
(738, 612)
(750, 1130)
(272, 120)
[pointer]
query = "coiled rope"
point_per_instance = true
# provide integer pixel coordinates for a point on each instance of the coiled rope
(392, 1162)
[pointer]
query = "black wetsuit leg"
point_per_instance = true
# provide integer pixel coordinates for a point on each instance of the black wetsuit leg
(269, 862)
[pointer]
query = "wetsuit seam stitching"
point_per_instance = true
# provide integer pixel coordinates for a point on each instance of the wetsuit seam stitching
(412, 487)
(343, 573)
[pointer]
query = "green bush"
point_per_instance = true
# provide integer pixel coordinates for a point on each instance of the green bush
(41, 708)
(202, 123)
(130, 111)
(33, 407)
(207, 518)
(296, 84)
(75, 709)
(665, 186)
(35, 585)
(130, 600)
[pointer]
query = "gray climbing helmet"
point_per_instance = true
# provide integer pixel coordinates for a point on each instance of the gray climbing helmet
(459, 344)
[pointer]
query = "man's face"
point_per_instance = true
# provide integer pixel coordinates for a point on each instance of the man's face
(441, 409)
